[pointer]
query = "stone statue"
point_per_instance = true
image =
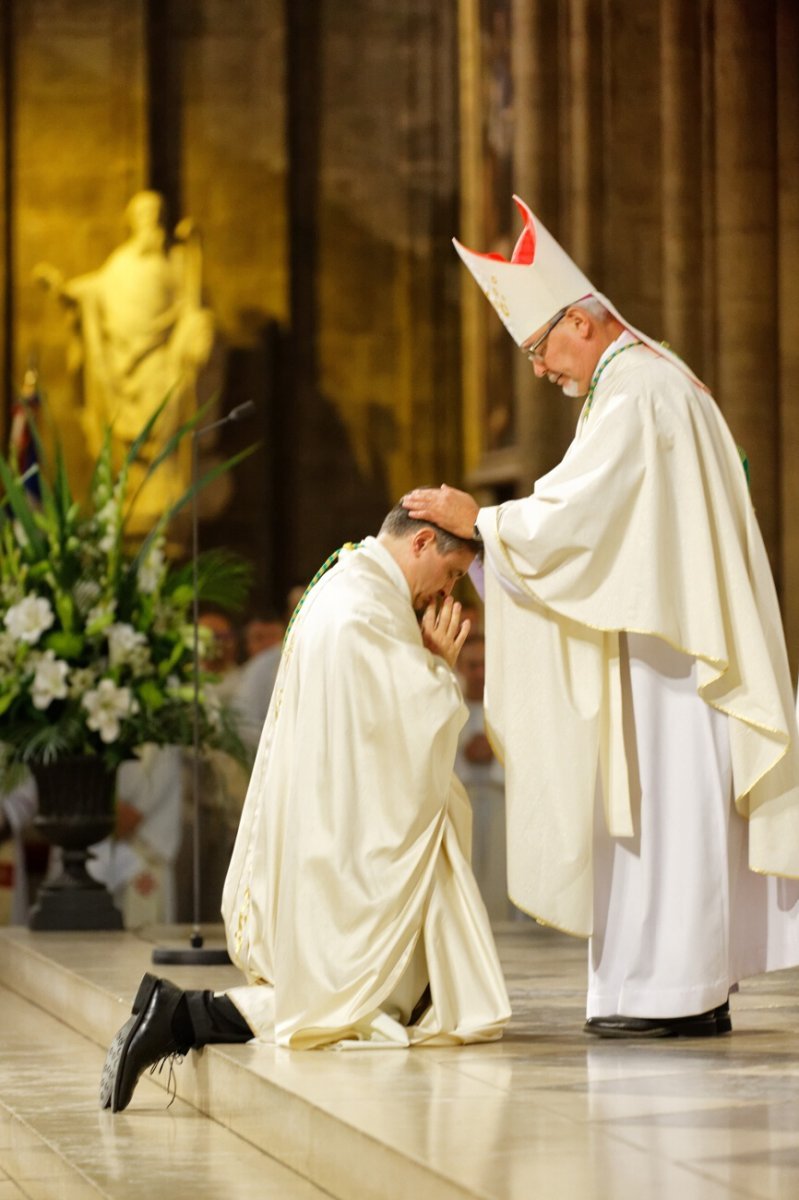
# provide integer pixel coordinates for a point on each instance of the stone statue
(138, 330)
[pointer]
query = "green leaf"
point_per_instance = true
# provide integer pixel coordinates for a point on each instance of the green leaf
(53, 521)
(66, 610)
(136, 445)
(223, 579)
(191, 491)
(65, 645)
(32, 742)
(99, 624)
(169, 447)
(178, 650)
(103, 464)
(21, 507)
(23, 479)
(151, 695)
(66, 504)
(182, 595)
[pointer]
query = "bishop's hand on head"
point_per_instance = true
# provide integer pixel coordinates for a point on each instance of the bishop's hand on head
(446, 507)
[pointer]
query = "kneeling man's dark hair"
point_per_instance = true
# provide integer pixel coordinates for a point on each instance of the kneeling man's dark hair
(399, 523)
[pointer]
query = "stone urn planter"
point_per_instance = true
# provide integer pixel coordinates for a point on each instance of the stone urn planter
(76, 809)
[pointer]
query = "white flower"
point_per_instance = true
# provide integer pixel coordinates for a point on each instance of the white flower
(125, 644)
(28, 620)
(140, 662)
(151, 571)
(109, 513)
(81, 679)
(11, 592)
(213, 708)
(50, 680)
(100, 615)
(166, 617)
(108, 520)
(107, 705)
(86, 593)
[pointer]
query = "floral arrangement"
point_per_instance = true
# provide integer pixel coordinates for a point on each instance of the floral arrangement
(97, 638)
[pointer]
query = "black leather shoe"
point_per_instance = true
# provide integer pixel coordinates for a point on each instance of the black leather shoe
(706, 1024)
(145, 1038)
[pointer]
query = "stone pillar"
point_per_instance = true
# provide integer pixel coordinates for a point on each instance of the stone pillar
(471, 230)
(6, 94)
(681, 61)
(746, 263)
(632, 270)
(788, 302)
(709, 281)
(373, 179)
(544, 424)
(305, 455)
(428, 438)
(581, 120)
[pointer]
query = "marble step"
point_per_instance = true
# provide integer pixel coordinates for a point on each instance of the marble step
(313, 1116)
(56, 1144)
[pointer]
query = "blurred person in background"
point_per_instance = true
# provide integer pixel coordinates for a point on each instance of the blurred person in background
(483, 776)
(23, 857)
(223, 781)
(262, 633)
(137, 864)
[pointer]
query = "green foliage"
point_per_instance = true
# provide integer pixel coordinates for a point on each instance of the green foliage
(223, 580)
(97, 642)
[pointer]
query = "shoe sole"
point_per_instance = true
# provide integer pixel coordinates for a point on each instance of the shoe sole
(709, 1029)
(114, 1059)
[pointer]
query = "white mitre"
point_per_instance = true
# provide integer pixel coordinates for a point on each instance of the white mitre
(538, 282)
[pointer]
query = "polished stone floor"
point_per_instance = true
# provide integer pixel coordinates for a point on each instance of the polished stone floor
(546, 1113)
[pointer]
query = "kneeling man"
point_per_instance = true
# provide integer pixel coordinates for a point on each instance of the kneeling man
(350, 905)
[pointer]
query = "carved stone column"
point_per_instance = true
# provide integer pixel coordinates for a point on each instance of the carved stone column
(544, 424)
(581, 121)
(788, 298)
(746, 309)
(6, 90)
(682, 115)
(632, 270)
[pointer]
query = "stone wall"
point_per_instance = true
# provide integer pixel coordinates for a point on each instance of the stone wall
(328, 152)
(324, 184)
(662, 151)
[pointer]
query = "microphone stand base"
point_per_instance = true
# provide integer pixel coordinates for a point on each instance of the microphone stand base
(194, 955)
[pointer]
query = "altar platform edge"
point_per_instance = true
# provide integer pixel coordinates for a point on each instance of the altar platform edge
(546, 1112)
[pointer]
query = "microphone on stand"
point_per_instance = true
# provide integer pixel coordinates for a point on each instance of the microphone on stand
(196, 954)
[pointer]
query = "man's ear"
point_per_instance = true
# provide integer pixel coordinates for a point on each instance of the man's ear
(581, 322)
(422, 539)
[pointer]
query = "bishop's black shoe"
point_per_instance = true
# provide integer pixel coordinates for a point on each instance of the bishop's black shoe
(147, 1037)
(706, 1024)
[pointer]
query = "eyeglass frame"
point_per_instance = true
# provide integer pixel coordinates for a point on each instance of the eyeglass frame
(534, 352)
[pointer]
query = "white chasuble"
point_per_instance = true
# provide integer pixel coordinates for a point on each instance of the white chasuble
(646, 527)
(349, 887)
